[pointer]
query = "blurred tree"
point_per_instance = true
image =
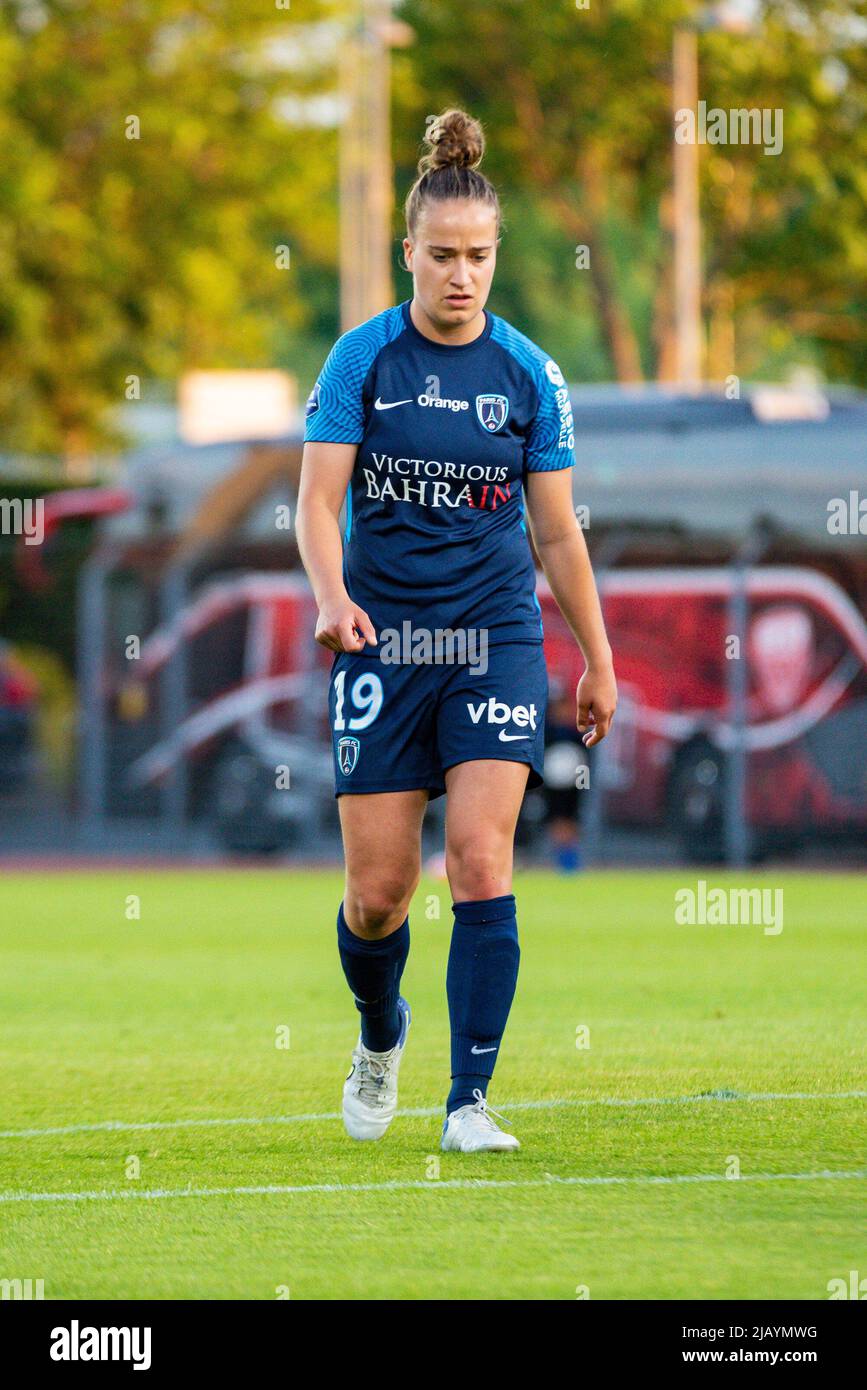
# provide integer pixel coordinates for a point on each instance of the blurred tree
(577, 106)
(157, 155)
(786, 235)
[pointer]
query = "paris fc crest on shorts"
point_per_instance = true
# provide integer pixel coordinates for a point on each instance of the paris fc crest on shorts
(493, 412)
(348, 750)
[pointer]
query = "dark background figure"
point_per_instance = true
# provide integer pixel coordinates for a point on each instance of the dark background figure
(565, 758)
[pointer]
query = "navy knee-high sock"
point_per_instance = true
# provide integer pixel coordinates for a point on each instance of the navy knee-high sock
(480, 984)
(373, 970)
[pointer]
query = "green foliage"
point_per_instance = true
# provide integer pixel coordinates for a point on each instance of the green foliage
(151, 173)
(577, 109)
(147, 183)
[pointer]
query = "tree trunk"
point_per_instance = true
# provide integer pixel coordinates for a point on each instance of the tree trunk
(584, 224)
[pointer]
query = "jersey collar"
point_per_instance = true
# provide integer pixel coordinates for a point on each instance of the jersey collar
(447, 348)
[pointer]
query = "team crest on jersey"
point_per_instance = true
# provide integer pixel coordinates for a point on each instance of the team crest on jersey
(493, 412)
(348, 750)
(313, 401)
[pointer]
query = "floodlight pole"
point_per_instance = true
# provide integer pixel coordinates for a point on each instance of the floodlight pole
(725, 17)
(366, 198)
(687, 221)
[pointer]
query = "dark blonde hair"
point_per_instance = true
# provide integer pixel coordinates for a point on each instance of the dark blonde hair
(455, 144)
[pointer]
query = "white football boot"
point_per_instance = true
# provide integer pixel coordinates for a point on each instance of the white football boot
(370, 1089)
(471, 1130)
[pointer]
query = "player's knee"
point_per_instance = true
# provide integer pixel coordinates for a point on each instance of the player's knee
(478, 871)
(378, 906)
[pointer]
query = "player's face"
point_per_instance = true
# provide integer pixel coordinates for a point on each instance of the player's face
(452, 260)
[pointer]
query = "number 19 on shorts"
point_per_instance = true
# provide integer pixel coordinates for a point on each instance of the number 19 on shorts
(365, 696)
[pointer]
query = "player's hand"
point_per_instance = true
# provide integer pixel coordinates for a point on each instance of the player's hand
(344, 627)
(597, 701)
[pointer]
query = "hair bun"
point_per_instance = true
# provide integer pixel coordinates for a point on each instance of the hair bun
(454, 138)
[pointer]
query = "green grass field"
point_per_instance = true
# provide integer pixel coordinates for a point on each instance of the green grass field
(175, 1018)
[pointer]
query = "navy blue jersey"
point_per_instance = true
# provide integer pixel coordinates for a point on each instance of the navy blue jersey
(435, 530)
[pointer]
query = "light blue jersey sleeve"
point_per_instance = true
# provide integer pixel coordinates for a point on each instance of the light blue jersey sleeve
(335, 407)
(551, 441)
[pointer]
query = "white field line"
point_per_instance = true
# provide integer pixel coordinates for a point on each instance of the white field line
(123, 1126)
(420, 1185)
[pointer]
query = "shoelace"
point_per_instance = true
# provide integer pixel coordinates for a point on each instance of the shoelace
(371, 1078)
(484, 1111)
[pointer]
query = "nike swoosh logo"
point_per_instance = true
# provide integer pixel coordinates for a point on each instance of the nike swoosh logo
(389, 405)
(477, 1051)
(510, 738)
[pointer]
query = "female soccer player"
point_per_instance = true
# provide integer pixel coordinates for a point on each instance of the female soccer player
(438, 422)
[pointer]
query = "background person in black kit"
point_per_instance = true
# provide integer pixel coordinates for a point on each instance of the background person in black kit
(564, 757)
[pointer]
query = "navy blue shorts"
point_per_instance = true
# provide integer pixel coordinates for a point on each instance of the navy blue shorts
(397, 727)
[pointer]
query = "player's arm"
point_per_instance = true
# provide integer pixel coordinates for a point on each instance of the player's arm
(562, 550)
(326, 470)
